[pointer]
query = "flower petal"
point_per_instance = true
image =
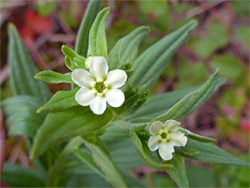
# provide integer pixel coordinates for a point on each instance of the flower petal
(82, 78)
(116, 78)
(179, 139)
(99, 68)
(115, 97)
(171, 125)
(85, 96)
(155, 127)
(166, 150)
(153, 142)
(98, 105)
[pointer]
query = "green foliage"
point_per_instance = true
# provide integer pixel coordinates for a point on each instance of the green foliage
(61, 100)
(125, 50)
(97, 38)
(191, 102)
(178, 172)
(93, 8)
(54, 77)
(72, 59)
(18, 176)
(21, 116)
(63, 125)
(151, 63)
(22, 69)
(104, 161)
(212, 154)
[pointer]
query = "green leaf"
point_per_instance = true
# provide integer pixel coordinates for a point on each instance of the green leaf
(88, 160)
(23, 70)
(196, 136)
(18, 176)
(210, 153)
(54, 77)
(63, 125)
(126, 49)
(25, 121)
(142, 148)
(151, 64)
(190, 102)
(97, 38)
(72, 59)
(178, 173)
(61, 100)
(104, 161)
(83, 32)
(159, 104)
(57, 167)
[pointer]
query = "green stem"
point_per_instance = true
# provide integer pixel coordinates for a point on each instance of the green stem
(55, 170)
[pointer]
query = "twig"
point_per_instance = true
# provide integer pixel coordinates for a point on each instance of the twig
(199, 10)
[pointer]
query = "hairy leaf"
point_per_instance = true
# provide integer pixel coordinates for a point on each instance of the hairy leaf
(54, 77)
(97, 38)
(159, 104)
(190, 102)
(61, 100)
(125, 50)
(21, 116)
(151, 63)
(210, 153)
(178, 173)
(83, 32)
(23, 70)
(63, 125)
(104, 161)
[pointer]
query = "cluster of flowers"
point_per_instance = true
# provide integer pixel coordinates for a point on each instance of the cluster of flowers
(99, 87)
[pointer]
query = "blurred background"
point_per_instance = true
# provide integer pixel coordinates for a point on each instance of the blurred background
(221, 40)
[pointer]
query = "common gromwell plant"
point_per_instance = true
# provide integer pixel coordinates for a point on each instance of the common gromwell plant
(87, 129)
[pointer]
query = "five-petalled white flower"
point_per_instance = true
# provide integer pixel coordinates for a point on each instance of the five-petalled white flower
(165, 137)
(99, 86)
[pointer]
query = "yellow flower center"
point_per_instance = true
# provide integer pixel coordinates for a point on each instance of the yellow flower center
(100, 87)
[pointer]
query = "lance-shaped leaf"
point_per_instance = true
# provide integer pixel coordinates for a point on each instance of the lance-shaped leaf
(159, 104)
(63, 125)
(21, 116)
(61, 100)
(23, 70)
(104, 161)
(97, 38)
(196, 136)
(210, 153)
(54, 77)
(151, 63)
(190, 102)
(144, 152)
(125, 50)
(83, 32)
(178, 172)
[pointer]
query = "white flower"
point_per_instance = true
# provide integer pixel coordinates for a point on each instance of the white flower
(165, 137)
(99, 86)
